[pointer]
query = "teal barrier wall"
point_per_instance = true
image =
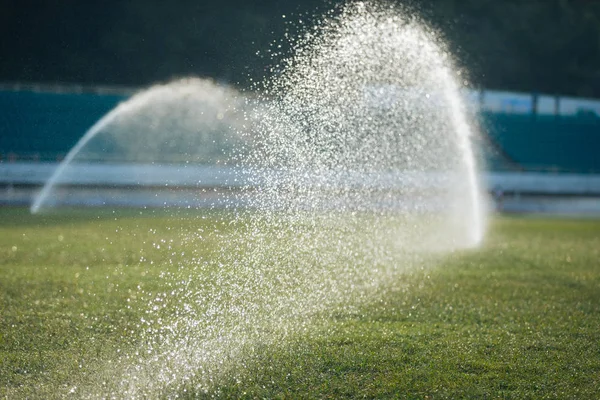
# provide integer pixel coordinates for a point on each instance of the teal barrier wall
(544, 142)
(45, 125)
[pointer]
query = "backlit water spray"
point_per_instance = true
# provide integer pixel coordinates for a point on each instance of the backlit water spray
(360, 168)
(186, 122)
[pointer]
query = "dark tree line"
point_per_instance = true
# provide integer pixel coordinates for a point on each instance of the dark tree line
(546, 46)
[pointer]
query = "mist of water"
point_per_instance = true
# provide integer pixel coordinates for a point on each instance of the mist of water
(367, 116)
(361, 168)
(189, 121)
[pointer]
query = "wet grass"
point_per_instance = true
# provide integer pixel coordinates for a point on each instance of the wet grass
(518, 318)
(74, 285)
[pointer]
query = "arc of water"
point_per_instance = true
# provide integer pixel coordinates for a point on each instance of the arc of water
(464, 133)
(89, 135)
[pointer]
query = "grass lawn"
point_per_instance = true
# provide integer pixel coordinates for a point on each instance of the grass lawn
(517, 318)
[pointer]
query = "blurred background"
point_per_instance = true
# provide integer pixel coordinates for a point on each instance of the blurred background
(545, 46)
(532, 67)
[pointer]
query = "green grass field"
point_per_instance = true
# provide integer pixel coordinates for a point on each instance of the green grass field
(517, 318)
